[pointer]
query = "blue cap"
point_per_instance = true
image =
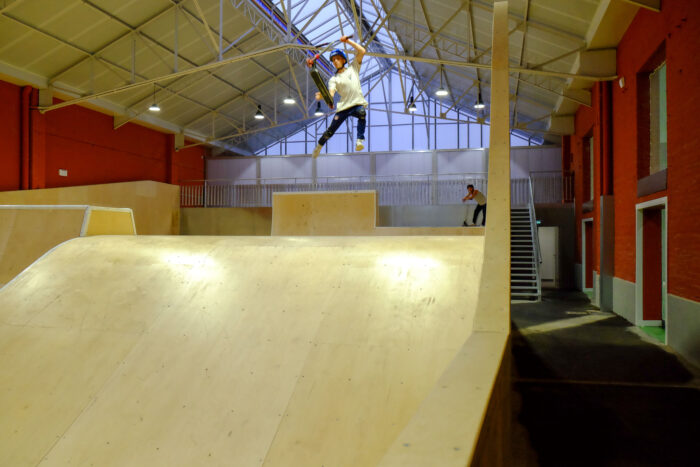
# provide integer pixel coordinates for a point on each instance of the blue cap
(338, 52)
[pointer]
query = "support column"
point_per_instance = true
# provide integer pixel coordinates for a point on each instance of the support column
(494, 292)
(32, 142)
(433, 178)
(38, 145)
(170, 151)
(25, 138)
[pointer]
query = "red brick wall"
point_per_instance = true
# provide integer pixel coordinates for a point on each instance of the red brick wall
(584, 122)
(678, 28)
(9, 137)
(85, 143)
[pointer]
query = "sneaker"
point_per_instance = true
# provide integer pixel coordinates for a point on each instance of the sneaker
(360, 145)
(465, 224)
(317, 151)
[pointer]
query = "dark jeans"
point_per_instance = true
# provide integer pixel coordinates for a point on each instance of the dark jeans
(358, 112)
(476, 213)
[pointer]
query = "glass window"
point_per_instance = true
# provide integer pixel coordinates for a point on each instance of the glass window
(591, 170)
(380, 138)
(296, 148)
(657, 120)
(420, 137)
(446, 136)
(401, 138)
(474, 135)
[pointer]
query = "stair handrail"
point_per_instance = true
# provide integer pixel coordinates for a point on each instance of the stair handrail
(535, 235)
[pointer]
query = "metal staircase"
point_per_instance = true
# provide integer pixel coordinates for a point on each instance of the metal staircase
(525, 284)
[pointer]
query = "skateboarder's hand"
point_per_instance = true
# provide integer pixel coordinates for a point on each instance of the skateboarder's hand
(344, 39)
(318, 96)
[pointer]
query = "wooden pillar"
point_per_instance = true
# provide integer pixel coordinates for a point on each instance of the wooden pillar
(494, 292)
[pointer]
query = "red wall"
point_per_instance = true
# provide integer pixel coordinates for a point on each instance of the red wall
(677, 27)
(85, 143)
(9, 137)
(584, 123)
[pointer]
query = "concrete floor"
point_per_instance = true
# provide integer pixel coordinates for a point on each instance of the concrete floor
(591, 389)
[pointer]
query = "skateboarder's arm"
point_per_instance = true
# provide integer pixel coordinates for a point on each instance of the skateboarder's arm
(359, 50)
(330, 91)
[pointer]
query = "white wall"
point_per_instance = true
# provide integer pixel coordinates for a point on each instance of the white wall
(523, 161)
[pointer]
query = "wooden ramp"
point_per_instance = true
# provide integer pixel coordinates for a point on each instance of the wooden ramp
(29, 231)
(245, 351)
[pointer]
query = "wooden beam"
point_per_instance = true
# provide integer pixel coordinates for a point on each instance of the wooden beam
(494, 291)
(653, 5)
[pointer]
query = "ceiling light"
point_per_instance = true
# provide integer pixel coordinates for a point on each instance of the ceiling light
(154, 107)
(318, 112)
(412, 106)
(479, 101)
(259, 115)
(289, 100)
(441, 92)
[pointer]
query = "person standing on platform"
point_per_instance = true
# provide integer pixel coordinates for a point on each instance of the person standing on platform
(480, 199)
(352, 102)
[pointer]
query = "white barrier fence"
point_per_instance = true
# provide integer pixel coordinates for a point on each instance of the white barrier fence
(403, 190)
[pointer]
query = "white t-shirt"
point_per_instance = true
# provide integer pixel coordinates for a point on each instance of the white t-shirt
(479, 198)
(347, 84)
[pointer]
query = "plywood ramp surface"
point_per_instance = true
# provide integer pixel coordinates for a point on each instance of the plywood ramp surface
(324, 213)
(156, 206)
(277, 351)
(27, 232)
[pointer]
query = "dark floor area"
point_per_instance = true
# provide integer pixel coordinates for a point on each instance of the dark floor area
(591, 389)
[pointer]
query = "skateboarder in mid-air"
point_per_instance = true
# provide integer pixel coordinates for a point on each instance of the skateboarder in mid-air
(352, 102)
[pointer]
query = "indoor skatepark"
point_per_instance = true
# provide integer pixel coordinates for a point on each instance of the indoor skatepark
(244, 366)
(187, 278)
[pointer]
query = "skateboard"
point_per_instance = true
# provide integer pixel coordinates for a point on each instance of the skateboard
(316, 76)
(321, 85)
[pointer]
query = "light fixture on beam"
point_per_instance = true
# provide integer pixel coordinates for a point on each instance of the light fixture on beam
(259, 115)
(289, 100)
(412, 106)
(479, 104)
(318, 112)
(154, 107)
(441, 92)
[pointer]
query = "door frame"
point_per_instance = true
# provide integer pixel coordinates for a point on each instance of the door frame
(639, 262)
(583, 255)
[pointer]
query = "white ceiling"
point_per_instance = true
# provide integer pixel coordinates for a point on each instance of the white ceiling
(83, 47)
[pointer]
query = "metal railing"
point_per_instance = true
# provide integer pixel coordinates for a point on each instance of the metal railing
(392, 190)
(535, 238)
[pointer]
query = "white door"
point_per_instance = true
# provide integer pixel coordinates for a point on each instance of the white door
(549, 246)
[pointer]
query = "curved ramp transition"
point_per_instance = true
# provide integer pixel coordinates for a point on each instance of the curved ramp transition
(245, 351)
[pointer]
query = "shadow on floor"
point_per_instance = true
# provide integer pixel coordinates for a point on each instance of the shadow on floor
(589, 389)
